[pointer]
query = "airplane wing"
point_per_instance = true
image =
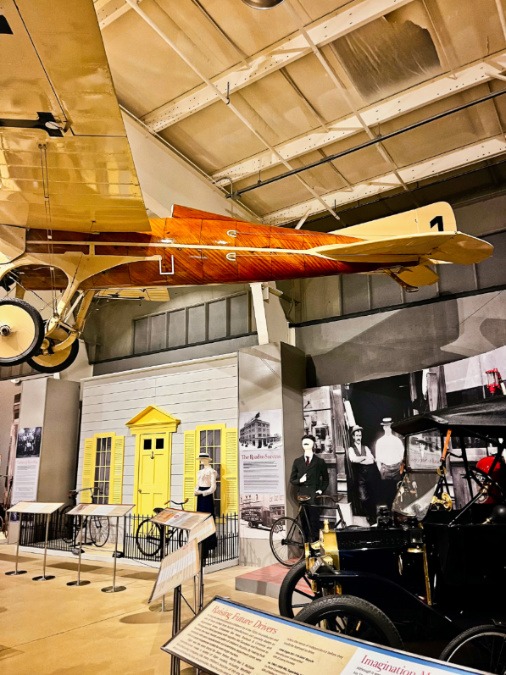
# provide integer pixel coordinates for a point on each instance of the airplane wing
(65, 162)
(453, 247)
(154, 294)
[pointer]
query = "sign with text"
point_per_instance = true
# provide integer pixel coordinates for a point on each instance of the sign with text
(186, 520)
(203, 531)
(175, 569)
(27, 463)
(35, 507)
(108, 510)
(230, 638)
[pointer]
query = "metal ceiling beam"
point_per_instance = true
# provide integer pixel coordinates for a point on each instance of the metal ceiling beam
(110, 10)
(476, 152)
(223, 97)
(396, 106)
(270, 60)
(502, 18)
(371, 142)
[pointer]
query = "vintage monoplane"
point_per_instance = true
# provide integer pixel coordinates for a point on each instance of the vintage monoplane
(72, 218)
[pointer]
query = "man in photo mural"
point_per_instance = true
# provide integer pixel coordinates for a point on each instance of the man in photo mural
(311, 477)
(364, 472)
(389, 452)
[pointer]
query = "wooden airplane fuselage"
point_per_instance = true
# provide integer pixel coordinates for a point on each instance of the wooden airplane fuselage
(181, 252)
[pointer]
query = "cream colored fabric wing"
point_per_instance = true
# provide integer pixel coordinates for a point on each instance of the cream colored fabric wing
(65, 161)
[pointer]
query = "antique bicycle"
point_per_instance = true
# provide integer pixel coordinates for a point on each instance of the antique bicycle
(148, 535)
(287, 538)
(96, 527)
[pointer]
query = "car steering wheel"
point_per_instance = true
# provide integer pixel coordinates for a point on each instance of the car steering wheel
(485, 481)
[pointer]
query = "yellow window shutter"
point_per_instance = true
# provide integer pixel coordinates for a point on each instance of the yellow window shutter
(88, 479)
(190, 468)
(231, 492)
(116, 480)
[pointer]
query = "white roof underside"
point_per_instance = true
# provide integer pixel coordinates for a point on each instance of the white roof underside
(248, 95)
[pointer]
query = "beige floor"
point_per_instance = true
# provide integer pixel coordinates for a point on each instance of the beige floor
(48, 628)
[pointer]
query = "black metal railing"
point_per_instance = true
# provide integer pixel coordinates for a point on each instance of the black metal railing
(63, 535)
(227, 534)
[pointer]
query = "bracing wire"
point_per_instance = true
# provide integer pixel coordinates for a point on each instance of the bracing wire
(49, 222)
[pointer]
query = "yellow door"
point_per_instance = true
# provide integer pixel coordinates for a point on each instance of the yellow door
(153, 478)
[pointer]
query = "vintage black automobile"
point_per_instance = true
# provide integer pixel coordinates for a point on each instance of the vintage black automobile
(429, 569)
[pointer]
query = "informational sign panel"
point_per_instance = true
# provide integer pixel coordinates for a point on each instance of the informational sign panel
(108, 510)
(26, 467)
(35, 507)
(203, 531)
(261, 471)
(186, 520)
(176, 568)
(229, 638)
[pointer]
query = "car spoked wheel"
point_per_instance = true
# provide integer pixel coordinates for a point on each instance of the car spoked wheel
(296, 592)
(353, 617)
(21, 331)
(479, 648)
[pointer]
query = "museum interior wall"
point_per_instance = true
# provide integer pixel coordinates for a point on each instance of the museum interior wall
(194, 317)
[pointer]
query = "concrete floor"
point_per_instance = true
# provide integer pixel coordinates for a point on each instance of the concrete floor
(48, 628)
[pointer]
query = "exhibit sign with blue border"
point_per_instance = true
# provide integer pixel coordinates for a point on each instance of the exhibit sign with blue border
(227, 638)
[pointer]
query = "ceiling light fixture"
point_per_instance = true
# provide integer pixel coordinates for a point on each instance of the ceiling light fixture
(262, 4)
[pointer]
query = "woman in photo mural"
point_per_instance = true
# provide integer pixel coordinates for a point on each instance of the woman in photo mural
(364, 473)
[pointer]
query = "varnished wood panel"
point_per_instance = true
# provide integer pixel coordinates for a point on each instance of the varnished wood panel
(217, 268)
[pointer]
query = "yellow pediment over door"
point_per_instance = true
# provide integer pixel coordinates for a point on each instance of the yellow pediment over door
(152, 416)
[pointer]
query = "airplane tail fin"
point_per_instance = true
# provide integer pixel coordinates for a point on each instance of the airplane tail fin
(437, 217)
(408, 243)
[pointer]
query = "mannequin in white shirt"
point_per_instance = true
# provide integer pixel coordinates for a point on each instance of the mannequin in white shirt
(206, 477)
(204, 490)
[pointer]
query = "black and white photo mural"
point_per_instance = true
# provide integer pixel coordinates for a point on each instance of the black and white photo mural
(352, 424)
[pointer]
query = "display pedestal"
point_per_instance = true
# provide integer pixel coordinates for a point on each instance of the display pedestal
(45, 577)
(78, 581)
(16, 570)
(100, 511)
(35, 508)
(182, 565)
(114, 588)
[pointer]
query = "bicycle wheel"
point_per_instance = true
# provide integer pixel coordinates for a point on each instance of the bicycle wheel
(98, 528)
(479, 648)
(148, 538)
(287, 541)
(68, 525)
(352, 616)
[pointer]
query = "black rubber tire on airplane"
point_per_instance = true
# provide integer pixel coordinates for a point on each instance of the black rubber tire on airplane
(21, 331)
(62, 360)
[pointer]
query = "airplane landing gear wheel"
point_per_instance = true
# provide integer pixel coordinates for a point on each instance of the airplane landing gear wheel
(56, 362)
(21, 331)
